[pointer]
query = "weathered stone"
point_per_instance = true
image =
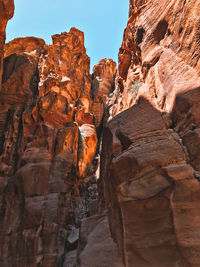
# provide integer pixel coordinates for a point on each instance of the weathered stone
(48, 142)
(159, 54)
(96, 247)
(27, 45)
(103, 83)
(141, 184)
(6, 13)
(150, 156)
(51, 113)
(73, 236)
(87, 149)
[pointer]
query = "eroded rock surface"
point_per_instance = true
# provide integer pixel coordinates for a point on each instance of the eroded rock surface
(6, 13)
(48, 144)
(150, 158)
(96, 246)
(153, 210)
(145, 211)
(103, 84)
(159, 55)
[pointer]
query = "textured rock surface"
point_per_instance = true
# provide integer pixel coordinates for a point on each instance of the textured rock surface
(48, 145)
(52, 112)
(96, 246)
(6, 13)
(161, 49)
(154, 210)
(103, 84)
(150, 157)
(23, 45)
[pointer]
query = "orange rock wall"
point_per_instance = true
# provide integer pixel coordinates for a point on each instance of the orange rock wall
(6, 13)
(48, 144)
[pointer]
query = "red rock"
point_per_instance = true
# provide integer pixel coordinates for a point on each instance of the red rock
(24, 45)
(64, 67)
(52, 110)
(103, 84)
(139, 188)
(150, 156)
(45, 103)
(87, 149)
(159, 50)
(6, 13)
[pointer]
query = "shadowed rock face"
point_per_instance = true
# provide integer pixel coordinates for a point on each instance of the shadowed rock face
(150, 185)
(150, 155)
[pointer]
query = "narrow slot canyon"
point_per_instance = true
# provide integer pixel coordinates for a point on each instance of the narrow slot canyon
(102, 169)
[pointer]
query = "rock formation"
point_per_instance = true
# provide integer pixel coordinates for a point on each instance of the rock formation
(48, 144)
(6, 13)
(103, 84)
(144, 209)
(150, 158)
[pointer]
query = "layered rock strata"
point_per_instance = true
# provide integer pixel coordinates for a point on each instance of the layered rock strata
(52, 112)
(160, 49)
(150, 158)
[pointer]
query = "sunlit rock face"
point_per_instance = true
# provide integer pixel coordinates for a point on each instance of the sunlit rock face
(65, 65)
(25, 45)
(150, 155)
(48, 144)
(6, 13)
(159, 55)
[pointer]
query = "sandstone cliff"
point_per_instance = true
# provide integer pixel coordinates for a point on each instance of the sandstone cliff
(143, 210)
(48, 147)
(150, 157)
(6, 13)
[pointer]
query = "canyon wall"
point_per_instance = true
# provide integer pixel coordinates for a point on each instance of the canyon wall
(6, 13)
(143, 119)
(50, 112)
(150, 156)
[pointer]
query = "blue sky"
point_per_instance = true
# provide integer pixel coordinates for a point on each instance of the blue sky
(102, 22)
